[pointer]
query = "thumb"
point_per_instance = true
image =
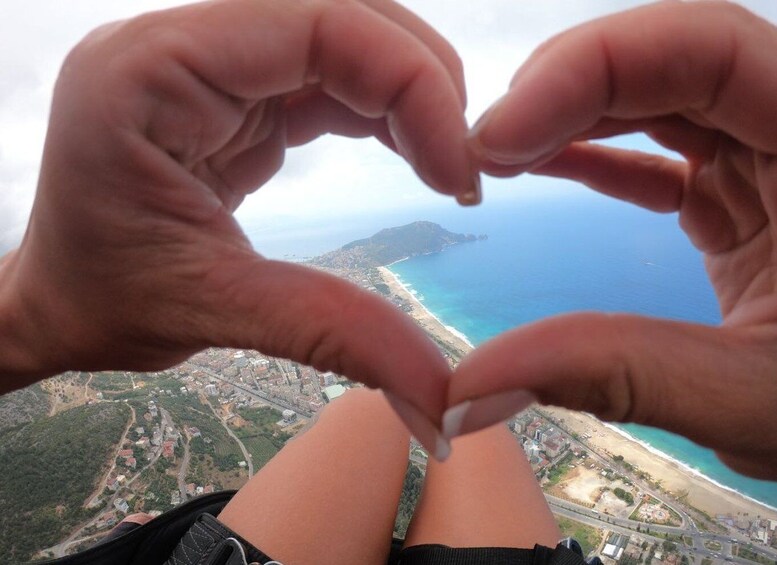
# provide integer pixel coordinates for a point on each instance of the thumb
(290, 311)
(716, 386)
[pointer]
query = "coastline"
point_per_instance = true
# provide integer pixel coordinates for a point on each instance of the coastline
(687, 468)
(447, 334)
(676, 477)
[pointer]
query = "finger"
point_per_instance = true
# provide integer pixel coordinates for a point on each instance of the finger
(196, 79)
(650, 181)
(712, 385)
(663, 59)
(315, 113)
(290, 311)
(676, 133)
(433, 40)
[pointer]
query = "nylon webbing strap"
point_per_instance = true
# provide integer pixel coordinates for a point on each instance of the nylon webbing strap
(443, 555)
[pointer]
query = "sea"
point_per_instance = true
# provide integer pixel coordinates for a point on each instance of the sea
(568, 252)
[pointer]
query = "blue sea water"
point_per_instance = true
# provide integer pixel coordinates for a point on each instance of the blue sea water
(546, 257)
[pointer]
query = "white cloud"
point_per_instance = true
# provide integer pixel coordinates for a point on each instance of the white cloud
(492, 36)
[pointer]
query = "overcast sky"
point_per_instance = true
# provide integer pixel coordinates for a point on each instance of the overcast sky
(328, 177)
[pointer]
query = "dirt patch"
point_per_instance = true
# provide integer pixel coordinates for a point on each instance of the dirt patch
(612, 504)
(582, 484)
(65, 392)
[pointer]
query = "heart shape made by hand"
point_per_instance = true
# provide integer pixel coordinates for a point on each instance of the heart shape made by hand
(161, 126)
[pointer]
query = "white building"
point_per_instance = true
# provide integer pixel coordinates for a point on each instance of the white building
(121, 505)
(334, 391)
(289, 416)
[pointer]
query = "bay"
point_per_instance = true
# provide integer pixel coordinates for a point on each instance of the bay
(547, 257)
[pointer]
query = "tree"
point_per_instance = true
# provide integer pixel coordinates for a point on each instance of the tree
(669, 546)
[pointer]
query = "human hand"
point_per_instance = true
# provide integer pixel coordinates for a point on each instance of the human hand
(699, 78)
(160, 126)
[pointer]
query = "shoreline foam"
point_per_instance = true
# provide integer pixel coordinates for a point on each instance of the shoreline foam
(687, 467)
(413, 295)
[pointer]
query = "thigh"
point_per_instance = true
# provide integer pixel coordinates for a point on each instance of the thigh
(484, 495)
(331, 495)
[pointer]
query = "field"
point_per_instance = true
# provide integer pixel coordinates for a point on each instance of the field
(588, 536)
(261, 448)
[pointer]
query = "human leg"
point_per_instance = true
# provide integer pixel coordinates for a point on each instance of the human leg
(484, 495)
(331, 494)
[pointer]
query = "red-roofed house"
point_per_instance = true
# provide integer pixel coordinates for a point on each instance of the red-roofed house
(168, 449)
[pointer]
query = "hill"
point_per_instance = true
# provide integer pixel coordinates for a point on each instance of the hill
(392, 244)
(48, 469)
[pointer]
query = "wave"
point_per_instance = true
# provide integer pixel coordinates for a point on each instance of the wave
(397, 261)
(412, 293)
(685, 466)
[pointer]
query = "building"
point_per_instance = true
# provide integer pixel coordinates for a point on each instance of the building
(334, 391)
(554, 448)
(211, 390)
(121, 505)
(289, 416)
(168, 449)
(615, 545)
(329, 379)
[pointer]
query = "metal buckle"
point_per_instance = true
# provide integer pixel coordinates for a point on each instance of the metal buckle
(238, 555)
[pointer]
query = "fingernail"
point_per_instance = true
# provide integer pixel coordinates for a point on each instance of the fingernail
(484, 118)
(421, 427)
(514, 157)
(472, 415)
(474, 196)
(510, 156)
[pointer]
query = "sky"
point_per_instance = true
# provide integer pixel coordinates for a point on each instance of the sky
(329, 178)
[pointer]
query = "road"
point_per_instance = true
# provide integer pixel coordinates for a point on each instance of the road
(276, 403)
(101, 486)
(626, 526)
(74, 538)
(183, 470)
(687, 522)
(246, 455)
(596, 519)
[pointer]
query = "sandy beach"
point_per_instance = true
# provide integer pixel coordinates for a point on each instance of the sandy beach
(701, 493)
(425, 319)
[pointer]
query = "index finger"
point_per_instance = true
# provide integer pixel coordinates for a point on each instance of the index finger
(200, 66)
(708, 59)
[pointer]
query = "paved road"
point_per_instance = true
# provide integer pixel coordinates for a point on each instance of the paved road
(622, 525)
(101, 486)
(246, 455)
(687, 523)
(183, 470)
(276, 403)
